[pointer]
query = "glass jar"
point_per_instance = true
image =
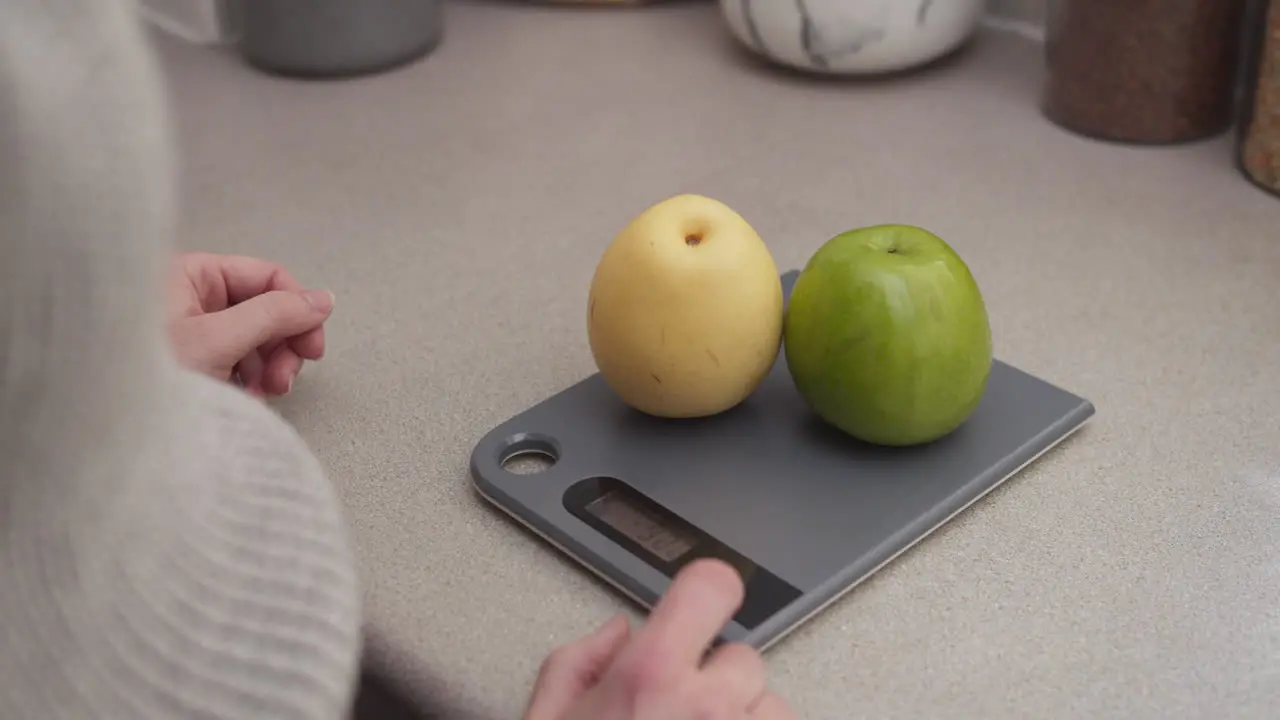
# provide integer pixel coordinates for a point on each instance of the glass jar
(1142, 71)
(1258, 127)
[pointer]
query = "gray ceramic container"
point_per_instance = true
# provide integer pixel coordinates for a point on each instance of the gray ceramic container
(335, 38)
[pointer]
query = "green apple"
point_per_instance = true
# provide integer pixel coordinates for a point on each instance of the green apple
(887, 336)
(684, 316)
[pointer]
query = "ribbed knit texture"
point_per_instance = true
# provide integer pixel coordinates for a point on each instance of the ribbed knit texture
(169, 548)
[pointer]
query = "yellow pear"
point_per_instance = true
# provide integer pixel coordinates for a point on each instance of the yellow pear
(685, 313)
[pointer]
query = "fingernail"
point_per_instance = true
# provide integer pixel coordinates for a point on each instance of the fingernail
(321, 300)
(611, 626)
(288, 387)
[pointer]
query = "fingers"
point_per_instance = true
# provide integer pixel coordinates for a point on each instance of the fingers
(309, 345)
(274, 316)
(572, 669)
(280, 369)
(703, 597)
(247, 316)
(250, 371)
(736, 671)
(771, 707)
(242, 277)
(657, 671)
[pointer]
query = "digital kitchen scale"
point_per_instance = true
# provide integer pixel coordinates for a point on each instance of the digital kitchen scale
(803, 511)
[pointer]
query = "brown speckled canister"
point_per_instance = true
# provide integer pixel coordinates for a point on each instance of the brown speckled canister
(1142, 71)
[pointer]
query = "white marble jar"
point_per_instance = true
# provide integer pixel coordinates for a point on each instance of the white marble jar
(852, 37)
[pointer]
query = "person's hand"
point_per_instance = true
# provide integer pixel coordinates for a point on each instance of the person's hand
(661, 671)
(244, 319)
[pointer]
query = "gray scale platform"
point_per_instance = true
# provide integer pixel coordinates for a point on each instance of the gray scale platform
(804, 512)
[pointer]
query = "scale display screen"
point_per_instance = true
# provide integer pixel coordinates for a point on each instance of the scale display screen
(647, 528)
(667, 542)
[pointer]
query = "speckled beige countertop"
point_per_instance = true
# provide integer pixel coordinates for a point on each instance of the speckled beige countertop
(457, 207)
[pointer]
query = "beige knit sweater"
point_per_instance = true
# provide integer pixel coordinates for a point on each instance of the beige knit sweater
(169, 548)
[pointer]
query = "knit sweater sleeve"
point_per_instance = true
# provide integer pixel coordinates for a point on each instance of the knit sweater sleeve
(169, 548)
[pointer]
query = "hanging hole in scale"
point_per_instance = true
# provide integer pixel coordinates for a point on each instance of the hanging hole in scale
(529, 455)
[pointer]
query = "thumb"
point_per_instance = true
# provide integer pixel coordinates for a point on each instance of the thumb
(573, 669)
(236, 331)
